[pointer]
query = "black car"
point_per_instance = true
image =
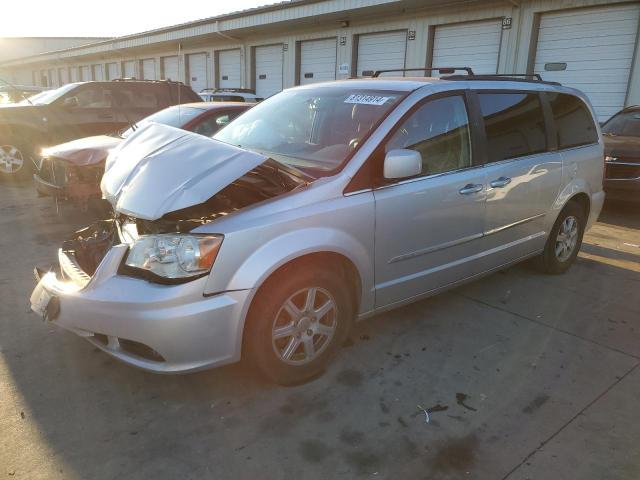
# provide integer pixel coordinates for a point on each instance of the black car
(78, 110)
(622, 149)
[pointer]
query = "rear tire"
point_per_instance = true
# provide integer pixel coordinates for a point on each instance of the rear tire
(16, 162)
(297, 323)
(564, 241)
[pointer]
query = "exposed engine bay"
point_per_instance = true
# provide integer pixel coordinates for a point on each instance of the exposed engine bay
(89, 245)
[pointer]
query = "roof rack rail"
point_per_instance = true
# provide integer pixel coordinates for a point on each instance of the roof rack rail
(134, 79)
(505, 77)
(440, 70)
(228, 90)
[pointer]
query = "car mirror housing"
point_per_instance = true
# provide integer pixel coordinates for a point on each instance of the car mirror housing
(402, 163)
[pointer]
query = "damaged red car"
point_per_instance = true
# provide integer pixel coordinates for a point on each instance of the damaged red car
(72, 171)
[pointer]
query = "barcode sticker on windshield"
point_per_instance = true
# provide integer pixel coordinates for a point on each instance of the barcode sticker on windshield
(366, 99)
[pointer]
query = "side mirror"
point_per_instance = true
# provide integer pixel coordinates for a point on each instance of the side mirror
(402, 163)
(71, 102)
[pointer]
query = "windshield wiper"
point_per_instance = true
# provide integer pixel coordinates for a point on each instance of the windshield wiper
(11, 85)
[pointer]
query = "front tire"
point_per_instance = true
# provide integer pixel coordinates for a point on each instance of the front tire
(564, 241)
(297, 322)
(15, 162)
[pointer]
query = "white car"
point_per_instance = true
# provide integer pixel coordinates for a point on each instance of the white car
(229, 95)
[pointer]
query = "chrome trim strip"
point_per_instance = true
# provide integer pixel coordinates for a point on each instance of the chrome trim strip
(460, 261)
(435, 248)
(514, 224)
(626, 164)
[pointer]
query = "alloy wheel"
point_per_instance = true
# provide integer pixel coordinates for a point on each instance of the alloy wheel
(567, 238)
(304, 326)
(11, 160)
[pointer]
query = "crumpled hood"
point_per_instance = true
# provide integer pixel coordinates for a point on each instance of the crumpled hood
(84, 151)
(161, 169)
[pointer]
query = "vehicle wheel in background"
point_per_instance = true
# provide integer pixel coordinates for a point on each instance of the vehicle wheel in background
(297, 322)
(15, 162)
(564, 241)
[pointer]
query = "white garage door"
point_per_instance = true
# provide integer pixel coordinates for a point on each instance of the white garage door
(149, 69)
(229, 69)
(53, 81)
(112, 71)
(129, 68)
(382, 51)
(85, 73)
(317, 61)
(198, 71)
(64, 75)
(592, 50)
(269, 64)
(475, 45)
(75, 74)
(98, 72)
(170, 68)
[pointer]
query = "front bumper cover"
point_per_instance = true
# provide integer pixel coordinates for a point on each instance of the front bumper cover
(188, 330)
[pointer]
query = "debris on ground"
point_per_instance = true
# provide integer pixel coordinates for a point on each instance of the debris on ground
(460, 400)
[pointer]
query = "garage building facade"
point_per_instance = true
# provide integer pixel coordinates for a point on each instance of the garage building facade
(588, 44)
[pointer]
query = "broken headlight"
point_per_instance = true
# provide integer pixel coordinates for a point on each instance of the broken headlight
(175, 256)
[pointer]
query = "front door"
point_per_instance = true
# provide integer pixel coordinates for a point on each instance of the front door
(523, 176)
(429, 229)
(85, 111)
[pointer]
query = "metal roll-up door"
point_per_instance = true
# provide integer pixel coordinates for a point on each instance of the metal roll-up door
(75, 74)
(229, 68)
(63, 73)
(98, 72)
(590, 49)
(129, 68)
(53, 78)
(149, 69)
(197, 71)
(474, 44)
(381, 51)
(170, 68)
(85, 73)
(317, 60)
(112, 71)
(269, 65)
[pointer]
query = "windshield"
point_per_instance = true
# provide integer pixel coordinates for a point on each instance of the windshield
(315, 128)
(50, 96)
(176, 116)
(624, 124)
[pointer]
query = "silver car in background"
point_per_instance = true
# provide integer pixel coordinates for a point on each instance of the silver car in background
(322, 205)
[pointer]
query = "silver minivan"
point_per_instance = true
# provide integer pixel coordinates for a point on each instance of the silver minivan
(323, 205)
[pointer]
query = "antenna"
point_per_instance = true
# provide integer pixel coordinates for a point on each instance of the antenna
(179, 111)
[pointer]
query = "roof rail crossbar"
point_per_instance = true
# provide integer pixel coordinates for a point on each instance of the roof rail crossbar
(440, 70)
(504, 77)
(535, 76)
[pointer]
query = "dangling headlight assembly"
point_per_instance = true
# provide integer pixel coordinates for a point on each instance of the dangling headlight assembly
(174, 256)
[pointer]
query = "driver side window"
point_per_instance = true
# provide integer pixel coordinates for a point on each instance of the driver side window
(93, 97)
(439, 131)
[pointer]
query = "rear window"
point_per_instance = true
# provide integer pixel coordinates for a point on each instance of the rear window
(514, 125)
(574, 123)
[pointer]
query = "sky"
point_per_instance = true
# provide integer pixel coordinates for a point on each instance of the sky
(107, 18)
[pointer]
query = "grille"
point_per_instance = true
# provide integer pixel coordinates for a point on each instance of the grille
(53, 171)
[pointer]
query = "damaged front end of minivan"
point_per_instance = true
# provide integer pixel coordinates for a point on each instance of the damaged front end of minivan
(139, 265)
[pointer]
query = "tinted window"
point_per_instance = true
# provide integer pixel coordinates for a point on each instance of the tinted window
(623, 124)
(514, 124)
(143, 96)
(439, 131)
(93, 96)
(574, 124)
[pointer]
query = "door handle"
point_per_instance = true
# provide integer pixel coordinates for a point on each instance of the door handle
(500, 182)
(471, 188)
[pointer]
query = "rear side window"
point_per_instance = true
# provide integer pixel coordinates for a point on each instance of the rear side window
(574, 123)
(514, 125)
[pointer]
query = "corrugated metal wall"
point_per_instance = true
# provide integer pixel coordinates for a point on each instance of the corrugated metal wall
(514, 55)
